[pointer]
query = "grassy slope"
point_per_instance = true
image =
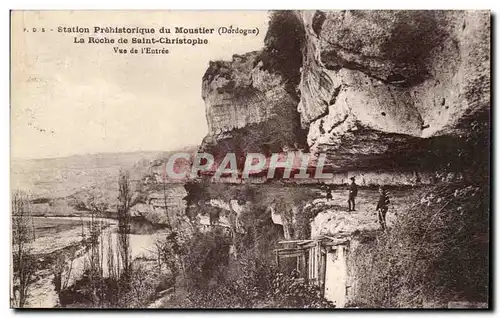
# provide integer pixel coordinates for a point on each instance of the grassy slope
(436, 252)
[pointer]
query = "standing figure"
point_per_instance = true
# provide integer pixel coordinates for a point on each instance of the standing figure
(328, 193)
(382, 206)
(353, 192)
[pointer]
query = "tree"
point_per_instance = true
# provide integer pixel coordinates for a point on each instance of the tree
(94, 268)
(23, 234)
(97, 203)
(124, 203)
(94, 262)
(165, 199)
(62, 274)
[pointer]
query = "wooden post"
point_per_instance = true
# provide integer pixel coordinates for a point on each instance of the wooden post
(310, 262)
(303, 265)
(277, 259)
(318, 261)
(322, 271)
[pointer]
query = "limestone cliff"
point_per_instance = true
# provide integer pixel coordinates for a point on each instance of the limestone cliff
(248, 108)
(383, 85)
(373, 89)
(251, 101)
(394, 98)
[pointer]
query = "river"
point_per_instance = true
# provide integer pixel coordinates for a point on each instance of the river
(42, 292)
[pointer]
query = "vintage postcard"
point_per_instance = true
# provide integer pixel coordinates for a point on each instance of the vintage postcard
(250, 159)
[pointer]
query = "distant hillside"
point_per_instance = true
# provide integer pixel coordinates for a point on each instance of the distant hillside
(67, 176)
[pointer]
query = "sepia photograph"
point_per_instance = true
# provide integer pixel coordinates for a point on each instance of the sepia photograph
(272, 159)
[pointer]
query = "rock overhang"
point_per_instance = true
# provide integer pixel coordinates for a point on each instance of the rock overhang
(377, 90)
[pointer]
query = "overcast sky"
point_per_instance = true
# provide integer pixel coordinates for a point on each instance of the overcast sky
(71, 98)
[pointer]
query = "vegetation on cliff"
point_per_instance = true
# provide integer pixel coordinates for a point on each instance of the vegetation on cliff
(282, 53)
(436, 252)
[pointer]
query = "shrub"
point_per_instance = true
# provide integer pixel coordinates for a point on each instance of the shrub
(214, 280)
(206, 259)
(289, 292)
(23, 260)
(283, 47)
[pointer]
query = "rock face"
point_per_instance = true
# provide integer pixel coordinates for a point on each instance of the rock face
(248, 108)
(239, 93)
(373, 89)
(251, 101)
(379, 84)
(392, 97)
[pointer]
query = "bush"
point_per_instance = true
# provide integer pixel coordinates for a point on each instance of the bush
(214, 280)
(206, 259)
(289, 292)
(136, 290)
(283, 47)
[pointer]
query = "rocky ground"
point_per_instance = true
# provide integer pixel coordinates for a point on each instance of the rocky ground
(333, 216)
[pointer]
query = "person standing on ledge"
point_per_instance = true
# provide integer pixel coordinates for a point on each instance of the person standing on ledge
(353, 192)
(328, 193)
(382, 206)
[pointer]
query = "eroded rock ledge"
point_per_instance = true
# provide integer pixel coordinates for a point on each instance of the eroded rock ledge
(373, 89)
(384, 85)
